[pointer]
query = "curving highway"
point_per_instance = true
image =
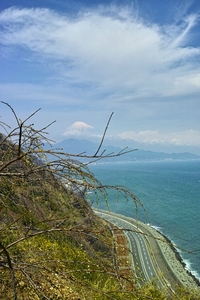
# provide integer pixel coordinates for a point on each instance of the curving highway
(143, 260)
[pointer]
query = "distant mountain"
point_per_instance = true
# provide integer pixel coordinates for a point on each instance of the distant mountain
(78, 146)
(150, 155)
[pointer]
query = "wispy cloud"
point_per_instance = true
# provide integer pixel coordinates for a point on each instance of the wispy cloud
(187, 137)
(109, 48)
(181, 38)
(107, 59)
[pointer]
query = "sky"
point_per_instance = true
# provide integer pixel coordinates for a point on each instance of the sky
(79, 61)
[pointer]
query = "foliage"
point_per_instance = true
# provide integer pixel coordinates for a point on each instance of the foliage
(52, 246)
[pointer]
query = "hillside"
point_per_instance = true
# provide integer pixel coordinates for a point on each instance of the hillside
(51, 240)
(52, 245)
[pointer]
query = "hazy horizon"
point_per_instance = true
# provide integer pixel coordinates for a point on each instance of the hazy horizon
(134, 145)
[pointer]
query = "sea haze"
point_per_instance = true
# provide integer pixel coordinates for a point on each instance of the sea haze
(170, 192)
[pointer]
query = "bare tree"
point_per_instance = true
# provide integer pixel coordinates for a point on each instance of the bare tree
(52, 246)
(28, 164)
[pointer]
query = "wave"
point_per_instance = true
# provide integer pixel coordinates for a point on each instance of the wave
(186, 262)
(157, 228)
(188, 267)
(174, 191)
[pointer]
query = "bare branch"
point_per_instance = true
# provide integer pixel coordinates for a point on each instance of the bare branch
(12, 111)
(103, 135)
(11, 269)
(28, 166)
(31, 116)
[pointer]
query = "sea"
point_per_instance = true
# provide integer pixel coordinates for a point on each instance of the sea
(169, 192)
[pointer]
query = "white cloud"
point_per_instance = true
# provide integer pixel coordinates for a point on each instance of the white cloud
(109, 48)
(106, 60)
(189, 23)
(188, 138)
(38, 92)
(78, 128)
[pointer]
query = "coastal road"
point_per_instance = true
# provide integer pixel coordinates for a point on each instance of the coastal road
(143, 261)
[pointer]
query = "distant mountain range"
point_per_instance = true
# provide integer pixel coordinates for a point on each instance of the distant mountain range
(78, 146)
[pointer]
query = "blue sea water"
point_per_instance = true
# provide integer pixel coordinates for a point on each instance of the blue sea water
(170, 192)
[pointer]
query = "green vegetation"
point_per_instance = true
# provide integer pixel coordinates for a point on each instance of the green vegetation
(52, 246)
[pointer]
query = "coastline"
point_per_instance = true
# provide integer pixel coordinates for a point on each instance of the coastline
(179, 258)
(166, 256)
(172, 258)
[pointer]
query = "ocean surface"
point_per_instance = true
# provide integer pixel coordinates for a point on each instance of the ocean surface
(170, 192)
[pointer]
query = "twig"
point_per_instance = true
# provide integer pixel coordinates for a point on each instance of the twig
(11, 270)
(103, 135)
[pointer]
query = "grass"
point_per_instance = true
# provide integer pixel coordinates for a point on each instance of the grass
(52, 246)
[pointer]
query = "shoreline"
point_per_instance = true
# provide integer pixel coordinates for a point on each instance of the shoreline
(171, 257)
(178, 256)
(166, 255)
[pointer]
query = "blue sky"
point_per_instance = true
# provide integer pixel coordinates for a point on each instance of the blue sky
(81, 60)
